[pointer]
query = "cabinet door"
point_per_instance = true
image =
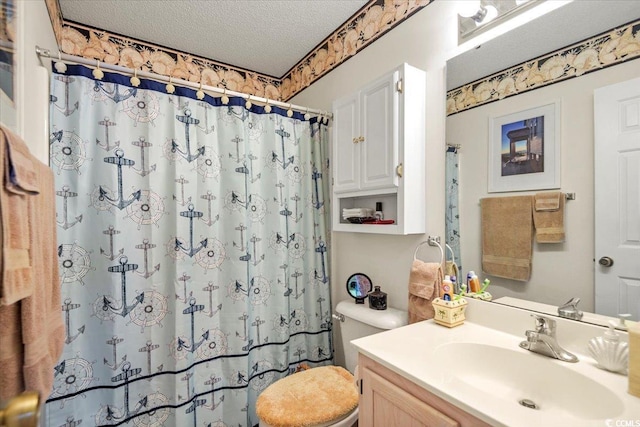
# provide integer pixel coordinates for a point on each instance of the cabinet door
(346, 147)
(378, 150)
(383, 404)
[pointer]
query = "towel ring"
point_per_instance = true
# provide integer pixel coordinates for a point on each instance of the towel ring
(453, 256)
(431, 242)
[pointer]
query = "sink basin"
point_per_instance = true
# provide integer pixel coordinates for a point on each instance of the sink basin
(520, 376)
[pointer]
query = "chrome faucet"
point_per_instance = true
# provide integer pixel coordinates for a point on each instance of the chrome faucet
(543, 340)
(570, 309)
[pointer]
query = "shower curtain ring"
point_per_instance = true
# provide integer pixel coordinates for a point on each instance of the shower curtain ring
(61, 67)
(289, 111)
(248, 104)
(267, 108)
(97, 72)
(200, 93)
(224, 99)
(135, 81)
(170, 87)
(307, 116)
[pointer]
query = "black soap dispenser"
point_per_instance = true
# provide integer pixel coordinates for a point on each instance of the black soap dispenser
(378, 299)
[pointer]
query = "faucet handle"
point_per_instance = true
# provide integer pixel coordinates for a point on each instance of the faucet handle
(570, 309)
(544, 324)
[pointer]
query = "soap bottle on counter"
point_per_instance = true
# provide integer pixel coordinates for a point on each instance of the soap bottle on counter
(610, 353)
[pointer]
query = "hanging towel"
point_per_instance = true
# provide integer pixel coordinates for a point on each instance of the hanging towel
(425, 280)
(451, 269)
(507, 235)
(32, 332)
(548, 217)
(19, 186)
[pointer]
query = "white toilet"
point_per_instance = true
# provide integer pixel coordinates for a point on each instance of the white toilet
(358, 321)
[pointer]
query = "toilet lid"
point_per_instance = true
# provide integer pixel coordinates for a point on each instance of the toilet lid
(310, 397)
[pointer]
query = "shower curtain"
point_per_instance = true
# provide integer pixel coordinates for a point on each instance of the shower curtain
(452, 215)
(193, 252)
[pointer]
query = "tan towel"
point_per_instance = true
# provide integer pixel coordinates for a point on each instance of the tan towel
(19, 186)
(507, 235)
(425, 280)
(548, 217)
(451, 269)
(32, 332)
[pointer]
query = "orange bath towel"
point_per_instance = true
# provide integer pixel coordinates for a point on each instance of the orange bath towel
(32, 332)
(425, 280)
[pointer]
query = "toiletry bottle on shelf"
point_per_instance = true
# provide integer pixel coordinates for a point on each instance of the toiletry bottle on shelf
(473, 283)
(446, 290)
(378, 214)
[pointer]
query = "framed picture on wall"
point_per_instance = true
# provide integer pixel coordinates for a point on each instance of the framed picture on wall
(7, 49)
(524, 150)
(8, 56)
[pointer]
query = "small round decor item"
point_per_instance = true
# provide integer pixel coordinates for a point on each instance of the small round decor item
(378, 299)
(358, 286)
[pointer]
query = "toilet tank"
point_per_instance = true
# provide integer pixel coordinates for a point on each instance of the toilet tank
(361, 321)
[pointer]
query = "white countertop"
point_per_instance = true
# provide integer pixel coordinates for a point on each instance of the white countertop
(411, 352)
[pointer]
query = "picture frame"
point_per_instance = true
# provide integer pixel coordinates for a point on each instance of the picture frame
(524, 150)
(8, 63)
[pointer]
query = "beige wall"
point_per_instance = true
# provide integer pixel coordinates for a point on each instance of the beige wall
(424, 41)
(33, 116)
(560, 271)
(33, 82)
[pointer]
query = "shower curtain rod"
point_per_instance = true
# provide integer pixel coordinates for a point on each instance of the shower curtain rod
(42, 52)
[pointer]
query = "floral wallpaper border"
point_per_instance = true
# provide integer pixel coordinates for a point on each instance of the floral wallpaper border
(604, 50)
(370, 23)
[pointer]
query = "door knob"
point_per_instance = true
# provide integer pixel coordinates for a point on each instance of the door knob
(605, 261)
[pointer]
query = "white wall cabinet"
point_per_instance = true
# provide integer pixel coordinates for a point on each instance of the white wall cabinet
(390, 400)
(378, 152)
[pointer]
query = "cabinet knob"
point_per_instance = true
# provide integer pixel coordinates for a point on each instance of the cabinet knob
(355, 140)
(399, 170)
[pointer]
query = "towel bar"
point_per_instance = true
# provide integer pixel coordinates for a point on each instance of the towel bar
(431, 241)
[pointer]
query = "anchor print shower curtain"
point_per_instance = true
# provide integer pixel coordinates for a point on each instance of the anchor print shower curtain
(193, 252)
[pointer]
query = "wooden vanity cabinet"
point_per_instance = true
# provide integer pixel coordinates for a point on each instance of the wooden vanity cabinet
(390, 400)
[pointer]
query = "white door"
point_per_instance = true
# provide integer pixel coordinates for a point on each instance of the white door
(617, 198)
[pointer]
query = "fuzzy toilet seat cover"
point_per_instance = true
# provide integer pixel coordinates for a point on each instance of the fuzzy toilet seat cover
(308, 398)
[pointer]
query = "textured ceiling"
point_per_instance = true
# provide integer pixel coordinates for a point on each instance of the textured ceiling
(267, 36)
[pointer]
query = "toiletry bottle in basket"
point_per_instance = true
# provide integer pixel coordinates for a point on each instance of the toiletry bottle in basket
(473, 283)
(446, 290)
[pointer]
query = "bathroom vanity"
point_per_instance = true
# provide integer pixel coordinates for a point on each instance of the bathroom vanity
(389, 399)
(476, 374)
